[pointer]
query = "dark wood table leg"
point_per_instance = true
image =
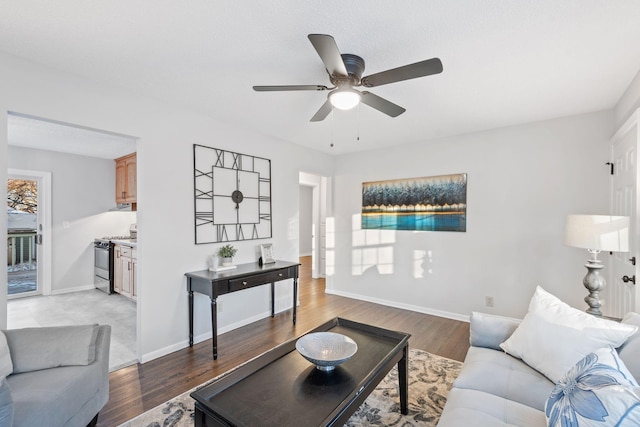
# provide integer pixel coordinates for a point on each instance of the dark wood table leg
(403, 379)
(273, 299)
(190, 315)
(214, 327)
(295, 298)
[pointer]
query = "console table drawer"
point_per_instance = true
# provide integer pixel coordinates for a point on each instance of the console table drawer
(248, 282)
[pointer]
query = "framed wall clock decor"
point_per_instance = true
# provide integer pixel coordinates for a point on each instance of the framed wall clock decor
(232, 195)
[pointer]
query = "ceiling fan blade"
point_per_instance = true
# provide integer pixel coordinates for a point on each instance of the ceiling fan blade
(407, 72)
(381, 104)
(323, 112)
(291, 87)
(328, 50)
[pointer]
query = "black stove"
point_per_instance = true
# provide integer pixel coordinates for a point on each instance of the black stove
(101, 243)
(104, 261)
(103, 265)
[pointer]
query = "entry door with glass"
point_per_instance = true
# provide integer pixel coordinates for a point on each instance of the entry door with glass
(23, 237)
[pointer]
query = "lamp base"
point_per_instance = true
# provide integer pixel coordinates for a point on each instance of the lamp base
(594, 283)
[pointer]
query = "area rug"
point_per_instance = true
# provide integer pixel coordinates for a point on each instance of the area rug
(430, 379)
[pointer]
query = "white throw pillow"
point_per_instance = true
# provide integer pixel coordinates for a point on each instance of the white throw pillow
(598, 391)
(6, 366)
(553, 337)
(630, 350)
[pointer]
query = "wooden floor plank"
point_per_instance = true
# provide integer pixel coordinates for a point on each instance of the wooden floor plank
(138, 388)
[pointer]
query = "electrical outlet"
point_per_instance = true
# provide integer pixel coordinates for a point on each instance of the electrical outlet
(219, 305)
(488, 301)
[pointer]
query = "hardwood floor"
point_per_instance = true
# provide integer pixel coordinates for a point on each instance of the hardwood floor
(138, 388)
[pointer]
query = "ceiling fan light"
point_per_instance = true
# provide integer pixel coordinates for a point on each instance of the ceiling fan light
(344, 99)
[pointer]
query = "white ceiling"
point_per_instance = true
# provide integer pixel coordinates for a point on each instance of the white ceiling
(506, 62)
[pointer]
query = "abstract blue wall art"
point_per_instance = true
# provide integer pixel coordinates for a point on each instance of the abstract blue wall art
(435, 203)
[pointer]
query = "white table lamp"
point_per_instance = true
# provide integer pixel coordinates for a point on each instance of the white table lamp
(596, 233)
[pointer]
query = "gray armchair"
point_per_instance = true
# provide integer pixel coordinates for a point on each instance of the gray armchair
(59, 376)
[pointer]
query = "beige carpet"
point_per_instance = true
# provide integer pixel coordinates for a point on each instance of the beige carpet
(430, 379)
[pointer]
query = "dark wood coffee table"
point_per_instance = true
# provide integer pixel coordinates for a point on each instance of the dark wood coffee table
(281, 388)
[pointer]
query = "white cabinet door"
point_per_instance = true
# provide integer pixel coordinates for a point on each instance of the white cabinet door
(117, 269)
(126, 276)
(134, 290)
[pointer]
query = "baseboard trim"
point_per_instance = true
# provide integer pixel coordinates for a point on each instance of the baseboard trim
(396, 304)
(70, 290)
(280, 307)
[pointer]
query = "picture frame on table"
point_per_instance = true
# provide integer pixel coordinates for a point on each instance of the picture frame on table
(266, 254)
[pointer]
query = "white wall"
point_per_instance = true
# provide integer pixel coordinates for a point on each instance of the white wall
(306, 220)
(83, 191)
(522, 182)
(166, 248)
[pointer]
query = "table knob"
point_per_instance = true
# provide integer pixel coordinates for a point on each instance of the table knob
(244, 283)
(280, 274)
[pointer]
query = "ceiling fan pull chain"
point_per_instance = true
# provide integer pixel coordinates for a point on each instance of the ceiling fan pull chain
(332, 125)
(358, 123)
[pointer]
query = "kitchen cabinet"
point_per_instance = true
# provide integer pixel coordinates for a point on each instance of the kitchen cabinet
(125, 271)
(126, 181)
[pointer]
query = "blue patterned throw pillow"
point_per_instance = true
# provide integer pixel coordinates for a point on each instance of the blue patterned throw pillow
(598, 391)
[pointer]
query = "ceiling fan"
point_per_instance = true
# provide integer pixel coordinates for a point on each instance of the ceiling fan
(345, 72)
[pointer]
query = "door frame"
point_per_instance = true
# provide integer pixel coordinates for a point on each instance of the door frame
(320, 207)
(631, 127)
(44, 219)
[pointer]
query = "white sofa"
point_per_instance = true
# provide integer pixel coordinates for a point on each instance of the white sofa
(496, 389)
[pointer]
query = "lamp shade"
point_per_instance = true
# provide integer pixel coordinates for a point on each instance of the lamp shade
(597, 232)
(344, 99)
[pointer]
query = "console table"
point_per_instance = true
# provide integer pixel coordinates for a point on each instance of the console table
(244, 276)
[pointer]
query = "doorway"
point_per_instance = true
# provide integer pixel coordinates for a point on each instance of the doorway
(28, 225)
(82, 161)
(316, 213)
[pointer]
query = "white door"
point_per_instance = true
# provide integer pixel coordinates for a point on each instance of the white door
(29, 243)
(620, 295)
